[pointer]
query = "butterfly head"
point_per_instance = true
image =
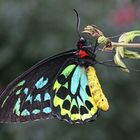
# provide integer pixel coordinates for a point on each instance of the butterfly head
(82, 42)
(84, 48)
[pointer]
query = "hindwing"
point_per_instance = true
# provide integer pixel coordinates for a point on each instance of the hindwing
(72, 100)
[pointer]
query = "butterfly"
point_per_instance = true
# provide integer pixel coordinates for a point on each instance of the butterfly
(64, 86)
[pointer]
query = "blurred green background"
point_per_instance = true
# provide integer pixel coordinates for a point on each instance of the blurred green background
(31, 30)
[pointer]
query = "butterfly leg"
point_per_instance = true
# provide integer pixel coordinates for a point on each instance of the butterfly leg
(105, 63)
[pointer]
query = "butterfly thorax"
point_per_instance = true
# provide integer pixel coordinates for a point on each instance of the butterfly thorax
(85, 51)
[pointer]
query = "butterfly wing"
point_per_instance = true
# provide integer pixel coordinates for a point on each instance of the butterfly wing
(28, 97)
(73, 101)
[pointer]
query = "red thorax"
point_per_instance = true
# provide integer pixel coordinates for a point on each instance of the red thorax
(82, 53)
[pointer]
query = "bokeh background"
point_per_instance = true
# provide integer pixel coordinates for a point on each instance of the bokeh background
(31, 30)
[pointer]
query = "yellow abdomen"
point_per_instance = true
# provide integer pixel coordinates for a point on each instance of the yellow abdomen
(96, 90)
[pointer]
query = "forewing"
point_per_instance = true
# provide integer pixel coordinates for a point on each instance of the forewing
(28, 97)
(73, 101)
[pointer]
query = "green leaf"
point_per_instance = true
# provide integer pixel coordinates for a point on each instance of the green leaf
(129, 36)
(131, 54)
(118, 61)
(122, 52)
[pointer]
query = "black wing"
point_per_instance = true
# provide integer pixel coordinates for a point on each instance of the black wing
(28, 96)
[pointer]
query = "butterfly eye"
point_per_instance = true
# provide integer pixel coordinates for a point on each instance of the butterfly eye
(83, 41)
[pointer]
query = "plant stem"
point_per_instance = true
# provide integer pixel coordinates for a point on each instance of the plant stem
(125, 45)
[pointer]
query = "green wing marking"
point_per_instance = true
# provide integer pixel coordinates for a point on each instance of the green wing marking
(72, 100)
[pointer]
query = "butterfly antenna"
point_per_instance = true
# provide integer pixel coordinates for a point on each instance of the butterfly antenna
(78, 23)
